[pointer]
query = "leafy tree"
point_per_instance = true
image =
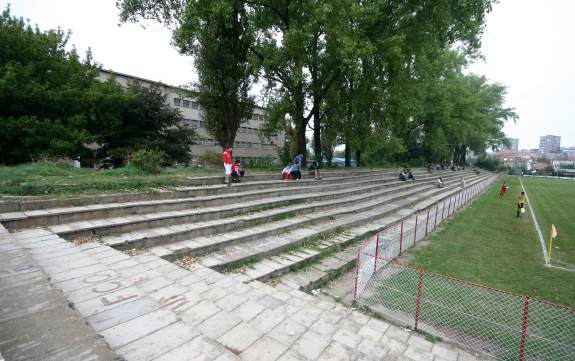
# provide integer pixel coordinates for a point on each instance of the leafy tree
(218, 35)
(137, 117)
(41, 86)
(51, 103)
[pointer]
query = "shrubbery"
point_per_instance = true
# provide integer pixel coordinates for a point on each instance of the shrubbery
(490, 163)
(148, 160)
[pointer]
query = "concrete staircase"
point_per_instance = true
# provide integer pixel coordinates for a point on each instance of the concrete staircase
(178, 275)
(147, 308)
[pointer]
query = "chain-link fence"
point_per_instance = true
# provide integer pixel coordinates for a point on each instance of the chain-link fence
(495, 322)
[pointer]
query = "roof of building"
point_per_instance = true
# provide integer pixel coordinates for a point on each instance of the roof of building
(137, 78)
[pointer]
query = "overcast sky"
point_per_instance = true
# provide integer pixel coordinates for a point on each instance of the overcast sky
(529, 45)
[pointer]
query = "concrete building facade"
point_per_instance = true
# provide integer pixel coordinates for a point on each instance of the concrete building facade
(550, 144)
(248, 145)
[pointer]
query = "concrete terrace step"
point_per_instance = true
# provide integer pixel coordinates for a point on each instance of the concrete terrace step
(62, 215)
(137, 222)
(36, 322)
(262, 247)
(342, 259)
(147, 308)
(192, 238)
(198, 190)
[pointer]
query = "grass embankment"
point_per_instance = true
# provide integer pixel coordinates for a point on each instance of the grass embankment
(487, 243)
(554, 203)
(50, 178)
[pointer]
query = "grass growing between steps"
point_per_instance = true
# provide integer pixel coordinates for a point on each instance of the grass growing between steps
(488, 244)
(59, 178)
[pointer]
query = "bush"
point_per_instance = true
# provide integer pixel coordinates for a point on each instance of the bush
(148, 160)
(210, 159)
(490, 163)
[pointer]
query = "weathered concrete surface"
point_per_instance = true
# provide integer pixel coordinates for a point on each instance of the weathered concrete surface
(146, 308)
(36, 322)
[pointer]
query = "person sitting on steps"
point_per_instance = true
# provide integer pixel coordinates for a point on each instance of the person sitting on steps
(409, 174)
(439, 183)
(403, 175)
(236, 172)
(296, 167)
(286, 172)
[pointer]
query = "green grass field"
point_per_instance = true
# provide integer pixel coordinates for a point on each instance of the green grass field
(487, 243)
(554, 203)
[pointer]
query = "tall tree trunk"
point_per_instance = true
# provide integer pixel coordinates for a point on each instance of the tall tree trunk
(316, 89)
(347, 155)
(317, 134)
(358, 157)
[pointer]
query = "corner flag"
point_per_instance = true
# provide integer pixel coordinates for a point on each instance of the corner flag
(553, 235)
(553, 231)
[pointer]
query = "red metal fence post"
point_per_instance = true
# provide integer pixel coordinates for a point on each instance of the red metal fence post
(356, 276)
(401, 238)
(418, 304)
(376, 253)
(415, 229)
(524, 328)
(426, 222)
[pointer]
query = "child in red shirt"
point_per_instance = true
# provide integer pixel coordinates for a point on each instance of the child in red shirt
(227, 155)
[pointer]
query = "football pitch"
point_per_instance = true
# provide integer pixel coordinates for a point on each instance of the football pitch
(488, 244)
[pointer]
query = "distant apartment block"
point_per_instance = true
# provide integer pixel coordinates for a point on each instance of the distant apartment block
(513, 145)
(248, 144)
(550, 144)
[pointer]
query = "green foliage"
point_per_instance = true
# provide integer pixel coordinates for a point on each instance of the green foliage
(148, 160)
(211, 159)
(137, 118)
(489, 163)
(51, 103)
(217, 34)
(41, 83)
(376, 76)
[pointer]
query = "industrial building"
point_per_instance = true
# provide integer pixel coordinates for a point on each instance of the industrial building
(248, 145)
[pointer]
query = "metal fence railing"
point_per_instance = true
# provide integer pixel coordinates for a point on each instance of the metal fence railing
(496, 323)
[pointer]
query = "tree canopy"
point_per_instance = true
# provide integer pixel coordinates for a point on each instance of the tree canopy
(51, 104)
(380, 77)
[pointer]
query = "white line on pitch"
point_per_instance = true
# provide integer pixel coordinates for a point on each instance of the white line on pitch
(539, 233)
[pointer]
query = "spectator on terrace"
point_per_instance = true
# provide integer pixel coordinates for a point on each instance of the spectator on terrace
(462, 182)
(409, 174)
(227, 155)
(439, 183)
(237, 172)
(296, 167)
(403, 175)
(429, 168)
(314, 169)
(286, 172)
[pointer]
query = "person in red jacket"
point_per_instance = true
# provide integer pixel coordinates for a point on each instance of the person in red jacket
(504, 188)
(227, 155)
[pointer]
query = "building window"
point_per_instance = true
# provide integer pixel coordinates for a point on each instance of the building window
(177, 102)
(186, 103)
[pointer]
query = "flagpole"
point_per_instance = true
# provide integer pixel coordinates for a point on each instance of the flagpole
(549, 251)
(550, 245)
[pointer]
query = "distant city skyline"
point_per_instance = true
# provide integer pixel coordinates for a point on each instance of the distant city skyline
(533, 61)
